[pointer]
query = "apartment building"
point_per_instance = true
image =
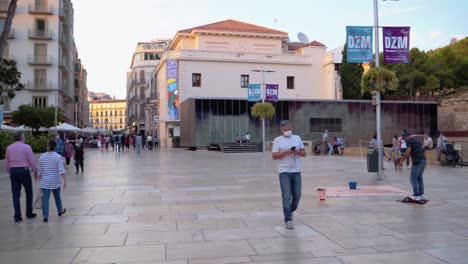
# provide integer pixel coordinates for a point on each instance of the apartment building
(42, 43)
(108, 115)
(141, 91)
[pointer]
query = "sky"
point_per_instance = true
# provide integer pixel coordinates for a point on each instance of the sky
(107, 31)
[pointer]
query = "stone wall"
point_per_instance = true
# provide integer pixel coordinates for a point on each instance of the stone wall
(453, 114)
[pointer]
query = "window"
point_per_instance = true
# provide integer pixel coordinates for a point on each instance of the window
(322, 124)
(120, 112)
(110, 113)
(97, 121)
(40, 50)
(115, 113)
(290, 82)
(121, 120)
(40, 77)
(6, 103)
(244, 81)
(142, 93)
(40, 27)
(106, 121)
(142, 76)
(196, 79)
(106, 113)
(40, 101)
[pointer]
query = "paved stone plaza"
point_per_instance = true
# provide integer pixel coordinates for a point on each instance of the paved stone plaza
(183, 207)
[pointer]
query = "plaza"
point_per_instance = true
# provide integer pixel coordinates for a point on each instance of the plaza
(175, 206)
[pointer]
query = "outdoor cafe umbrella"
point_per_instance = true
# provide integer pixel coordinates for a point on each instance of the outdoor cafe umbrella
(66, 127)
(5, 127)
(88, 130)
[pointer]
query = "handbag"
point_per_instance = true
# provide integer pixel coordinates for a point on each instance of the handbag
(38, 201)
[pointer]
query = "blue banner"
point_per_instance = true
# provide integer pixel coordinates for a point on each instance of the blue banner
(359, 44)
(254, 92)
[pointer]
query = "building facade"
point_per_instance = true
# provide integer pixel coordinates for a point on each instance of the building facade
(141, 93)
(42, 43)
(108, 115)
(220, 60)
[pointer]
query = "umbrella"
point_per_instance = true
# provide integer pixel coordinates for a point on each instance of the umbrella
(5, 127)
(66, 127)
(89, 130)
(24, 128)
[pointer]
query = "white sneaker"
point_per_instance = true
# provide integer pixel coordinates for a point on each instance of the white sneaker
(416, 198)
(289, 225)
(409, 167)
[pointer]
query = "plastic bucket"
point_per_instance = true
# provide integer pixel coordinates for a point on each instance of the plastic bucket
(352, 185)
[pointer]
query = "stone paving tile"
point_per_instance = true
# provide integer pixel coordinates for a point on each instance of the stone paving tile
(298, 231)
(240, 233)
(369, 241)
(343, 252)
(406, 247)
(77, 241)
(210, 224)
(282, 257)
(101, 219)
(456, 255)
(328, 260)
(138, 227)
(463, 232)
(233, 248)
(431, 237)
(49, 256)
(121, 254)
(292, 245)
(146, 210)
(163, 237)
(395, 257)
(445, 244)
(228, 260)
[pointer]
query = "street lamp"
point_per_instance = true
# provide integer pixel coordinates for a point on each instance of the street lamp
(377, 93)
(263, 101)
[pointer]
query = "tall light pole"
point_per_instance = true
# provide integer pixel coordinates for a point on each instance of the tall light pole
(263, 88)
(377, 93)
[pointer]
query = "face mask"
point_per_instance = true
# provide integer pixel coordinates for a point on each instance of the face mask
(287, 133)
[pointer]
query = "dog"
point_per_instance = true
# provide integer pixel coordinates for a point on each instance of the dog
(397, 162)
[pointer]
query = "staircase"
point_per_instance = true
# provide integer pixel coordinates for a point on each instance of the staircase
(233, 147)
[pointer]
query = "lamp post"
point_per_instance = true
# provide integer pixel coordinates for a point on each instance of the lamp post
(377, 93)
(263, 88)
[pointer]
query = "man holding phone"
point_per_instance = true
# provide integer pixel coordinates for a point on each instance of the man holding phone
(288, 149)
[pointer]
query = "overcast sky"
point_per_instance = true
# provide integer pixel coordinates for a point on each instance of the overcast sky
(106, 31)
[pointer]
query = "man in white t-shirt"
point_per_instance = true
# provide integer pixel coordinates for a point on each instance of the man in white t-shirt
(288, 149)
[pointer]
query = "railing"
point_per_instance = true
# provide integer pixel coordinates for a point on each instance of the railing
(63, 64)
(39, 86)
(39, 60)
(153, 97)
(63, 38)
(40, 9)
(39, 34)
(4, 6)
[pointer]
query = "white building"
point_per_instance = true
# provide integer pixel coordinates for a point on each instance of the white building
(216, 61)
(140, 93)
(42, 43)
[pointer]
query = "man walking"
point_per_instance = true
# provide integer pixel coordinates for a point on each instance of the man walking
(19, 159)
(139, 142)
(414, 149)
(288, 149)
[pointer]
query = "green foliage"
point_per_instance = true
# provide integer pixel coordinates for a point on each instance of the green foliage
(6, 138)
(379, 79)
(34, 117)
(351, 74)
(263, 110)
(38, 143)
(432, 72)
(9, 78)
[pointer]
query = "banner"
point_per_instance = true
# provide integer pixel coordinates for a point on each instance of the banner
(359, 44)
(271, 93)
(396, 44)
(254, 94)
(173, 104)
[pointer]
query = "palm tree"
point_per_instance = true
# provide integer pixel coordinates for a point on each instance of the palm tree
(7, 26)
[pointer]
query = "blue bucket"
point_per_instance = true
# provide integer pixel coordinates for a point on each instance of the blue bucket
(352, 185)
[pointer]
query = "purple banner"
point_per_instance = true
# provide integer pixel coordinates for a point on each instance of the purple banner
(396, 44)
(271, 93)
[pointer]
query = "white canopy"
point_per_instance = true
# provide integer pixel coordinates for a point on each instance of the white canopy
(89, 130)
(66, 127)
(24, 128)
(5, 127)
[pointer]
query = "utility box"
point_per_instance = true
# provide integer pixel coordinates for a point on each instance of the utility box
(372, 160)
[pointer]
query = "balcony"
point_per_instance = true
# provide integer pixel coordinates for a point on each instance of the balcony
(63, 64)
(40, 60)
(153, 97)
(42, 86)
(41, 9)
(63, 39)
(40, 34)
(4, 6)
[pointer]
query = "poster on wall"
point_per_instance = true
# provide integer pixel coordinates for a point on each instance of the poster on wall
(396, 44)
(173, 104)
(254, 92)
(359, 44)
(271, 93)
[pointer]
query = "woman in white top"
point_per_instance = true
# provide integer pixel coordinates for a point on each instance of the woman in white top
(403, 148)
(50, 170)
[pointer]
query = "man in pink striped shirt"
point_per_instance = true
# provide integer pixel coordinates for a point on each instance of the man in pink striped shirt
(19, 160)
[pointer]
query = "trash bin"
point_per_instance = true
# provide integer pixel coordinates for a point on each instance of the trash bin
(372, 160)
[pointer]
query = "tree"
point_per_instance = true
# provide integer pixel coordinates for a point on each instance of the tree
(351, 74)
(9, 78)
(35, 117)
(380, 79)
(7, 26)
(263, 110)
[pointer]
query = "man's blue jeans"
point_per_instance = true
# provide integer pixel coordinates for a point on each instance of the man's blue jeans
(290, 183)
(21, 177)
(45, 201)
(417, 171)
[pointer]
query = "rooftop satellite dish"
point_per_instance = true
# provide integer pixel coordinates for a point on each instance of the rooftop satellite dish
(303, 38)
